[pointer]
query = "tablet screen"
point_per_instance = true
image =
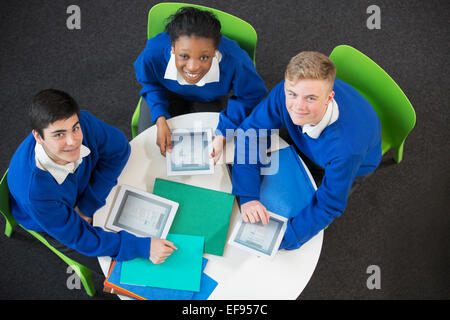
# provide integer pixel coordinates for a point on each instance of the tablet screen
(259, 237)
(142, 215)
(190, 151)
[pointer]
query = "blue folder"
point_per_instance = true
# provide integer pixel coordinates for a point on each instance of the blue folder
(288, 191)
(207, 286)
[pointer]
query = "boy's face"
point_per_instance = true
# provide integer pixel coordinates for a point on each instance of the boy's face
(62, 140)
(307, 100)
(193, 57)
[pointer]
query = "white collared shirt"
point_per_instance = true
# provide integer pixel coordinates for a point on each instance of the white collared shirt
(331, 115)
(213, 75)
(58, 171)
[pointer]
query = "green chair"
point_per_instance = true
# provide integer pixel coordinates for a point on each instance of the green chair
(83, 272)
(396, 113)
(232, 27)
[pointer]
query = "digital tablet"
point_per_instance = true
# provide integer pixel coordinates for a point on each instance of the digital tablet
(190, 152)
(259, 239)
(141, 213)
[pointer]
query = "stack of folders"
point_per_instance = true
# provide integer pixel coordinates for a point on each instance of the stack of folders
(200, 226)
(180, 277)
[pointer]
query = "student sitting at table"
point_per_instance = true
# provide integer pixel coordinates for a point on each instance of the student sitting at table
(331, 124)
(192, 67)
(62, 173)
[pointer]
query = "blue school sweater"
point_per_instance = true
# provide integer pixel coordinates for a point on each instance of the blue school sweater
(39, 203)
(348, 148)
(237, 73)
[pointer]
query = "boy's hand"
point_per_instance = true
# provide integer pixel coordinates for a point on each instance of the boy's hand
(218, 143)
(163, 136)
(160, 249)
(254, 211)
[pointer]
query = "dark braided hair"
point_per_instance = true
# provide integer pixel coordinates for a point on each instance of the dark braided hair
(188, 21)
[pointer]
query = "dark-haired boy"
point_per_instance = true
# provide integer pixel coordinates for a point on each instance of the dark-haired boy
(62, 173)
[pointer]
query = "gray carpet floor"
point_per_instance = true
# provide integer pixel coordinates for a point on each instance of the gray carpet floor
(397, 220)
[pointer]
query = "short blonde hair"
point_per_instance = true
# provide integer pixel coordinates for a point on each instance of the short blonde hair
(311, 65)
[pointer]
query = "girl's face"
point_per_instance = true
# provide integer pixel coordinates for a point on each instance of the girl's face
(193, 56)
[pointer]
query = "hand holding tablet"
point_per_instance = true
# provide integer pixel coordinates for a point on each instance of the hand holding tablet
(141, 213)
(254, 211)
(261, 240)
(218, 143)
(163, 136)
(191, 150)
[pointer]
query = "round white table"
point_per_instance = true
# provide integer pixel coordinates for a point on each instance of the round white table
(240, 275)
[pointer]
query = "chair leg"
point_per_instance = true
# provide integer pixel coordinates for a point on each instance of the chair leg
(86, 279)
(135, 120)
(398, 154)
(9, 228)
(84, 273)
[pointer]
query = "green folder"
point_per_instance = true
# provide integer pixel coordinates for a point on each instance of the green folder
(201, 212)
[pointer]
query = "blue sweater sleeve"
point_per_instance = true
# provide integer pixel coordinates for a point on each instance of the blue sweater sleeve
(152, 91)
(327, 203)
(246, 171)
(113, 151)
(248, 91)
(65, 225)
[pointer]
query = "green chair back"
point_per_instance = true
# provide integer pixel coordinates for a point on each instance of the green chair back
(4, 206)
(232, 27)
(395, 111)
(83, 272)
